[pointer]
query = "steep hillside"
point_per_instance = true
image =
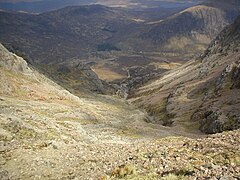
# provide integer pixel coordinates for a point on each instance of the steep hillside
(203, 93)
(83, 32)
(48, 133)
(60, 35)
(35, 101)
(191, 30)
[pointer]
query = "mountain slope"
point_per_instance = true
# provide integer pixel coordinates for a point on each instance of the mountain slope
(60, 35)
(48, 133)
(29, 92)
(203, 93)
(90, 32)
(193, 29)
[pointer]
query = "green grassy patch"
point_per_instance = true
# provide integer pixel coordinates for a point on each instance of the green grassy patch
(159, 110)
(131, 133)
(61, 120)
(188, 124)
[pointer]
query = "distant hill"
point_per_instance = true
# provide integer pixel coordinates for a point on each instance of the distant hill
(42, 6)
(73, 32)
(61, 34)
(49, 5)
(83, 31)
(191, 30)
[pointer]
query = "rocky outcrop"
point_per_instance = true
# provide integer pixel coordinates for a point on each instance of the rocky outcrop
(12, 62)
(82, 73)
(236, 76)
(213, 120)
(218, 119)
(226, 42)
(137, 76)
(229, 76)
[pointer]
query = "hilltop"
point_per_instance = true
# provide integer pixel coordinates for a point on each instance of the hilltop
(191, 30)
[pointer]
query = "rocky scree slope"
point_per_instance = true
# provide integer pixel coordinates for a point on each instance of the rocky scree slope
(35, 110)
(48, 133)
(30, 101)
(203, 93)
